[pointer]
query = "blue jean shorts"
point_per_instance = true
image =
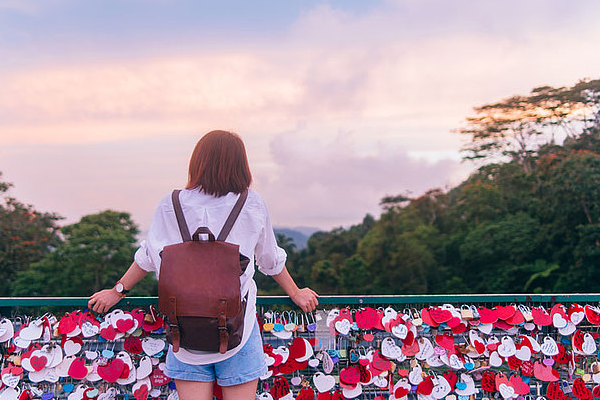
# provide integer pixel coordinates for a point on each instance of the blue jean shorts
(244, 366)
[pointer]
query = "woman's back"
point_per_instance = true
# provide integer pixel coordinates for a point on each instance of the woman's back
(252, 230)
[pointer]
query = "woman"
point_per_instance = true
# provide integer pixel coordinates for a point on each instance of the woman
(218, 173)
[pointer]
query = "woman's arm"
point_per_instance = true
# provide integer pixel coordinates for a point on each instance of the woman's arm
(103, 300)
(304, 298)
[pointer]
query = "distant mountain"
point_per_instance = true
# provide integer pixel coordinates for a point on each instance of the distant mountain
(299, 234)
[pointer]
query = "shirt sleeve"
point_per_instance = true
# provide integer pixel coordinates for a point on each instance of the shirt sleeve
(142, 258)
(159, 235)
(270, 258)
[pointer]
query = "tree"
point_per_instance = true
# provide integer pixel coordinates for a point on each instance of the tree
(319, 264)
(355, 276)
(571, 189)
(95, 253)
(516, 127)
(569, 209)
(403, 249)
(325, 277)
(582, 275)
(499, 257)
(26, 236)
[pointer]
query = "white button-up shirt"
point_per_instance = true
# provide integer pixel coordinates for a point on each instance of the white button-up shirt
(252, 231)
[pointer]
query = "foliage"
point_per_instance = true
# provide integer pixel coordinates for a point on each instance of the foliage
(26, 236)
(95, 253)
(515, 127)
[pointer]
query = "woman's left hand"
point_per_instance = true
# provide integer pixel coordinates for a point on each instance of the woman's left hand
(103, 300)
(306, 299)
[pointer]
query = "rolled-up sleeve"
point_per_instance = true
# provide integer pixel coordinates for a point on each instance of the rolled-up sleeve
(143, 259)
(163, 231)
(269, 256)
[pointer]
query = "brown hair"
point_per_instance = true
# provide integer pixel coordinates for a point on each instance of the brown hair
(219, 164)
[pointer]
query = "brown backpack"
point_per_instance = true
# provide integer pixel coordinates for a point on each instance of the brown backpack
(199, 286)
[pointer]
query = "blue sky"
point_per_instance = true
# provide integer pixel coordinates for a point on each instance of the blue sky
(339, 102)
(119, 27)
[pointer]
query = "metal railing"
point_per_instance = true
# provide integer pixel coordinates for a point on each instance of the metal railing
(346, 300)
(17, 305)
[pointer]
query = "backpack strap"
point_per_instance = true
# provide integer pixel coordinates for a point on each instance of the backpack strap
(173, 326)
(223, 331)
(233, 216)
(183, 228)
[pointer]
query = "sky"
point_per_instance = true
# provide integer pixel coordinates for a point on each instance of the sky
(339, 103)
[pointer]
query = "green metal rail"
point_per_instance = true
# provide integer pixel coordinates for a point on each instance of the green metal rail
(9, 302)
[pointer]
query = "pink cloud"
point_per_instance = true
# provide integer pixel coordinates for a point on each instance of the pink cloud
(335, 184)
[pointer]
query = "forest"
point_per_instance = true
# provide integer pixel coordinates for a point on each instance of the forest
(526, 221)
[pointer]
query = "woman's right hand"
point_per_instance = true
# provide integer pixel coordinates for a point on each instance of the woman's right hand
(306, 299)
(103, 300)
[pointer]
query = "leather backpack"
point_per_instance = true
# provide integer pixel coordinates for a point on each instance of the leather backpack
(199, 286)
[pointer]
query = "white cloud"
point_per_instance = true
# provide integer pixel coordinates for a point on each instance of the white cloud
(332, 183)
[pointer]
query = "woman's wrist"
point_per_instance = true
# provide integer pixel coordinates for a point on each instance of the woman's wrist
(293, 291)
(117, 293)
(121, 289)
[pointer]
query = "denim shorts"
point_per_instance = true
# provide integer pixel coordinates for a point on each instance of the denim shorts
(244, 366)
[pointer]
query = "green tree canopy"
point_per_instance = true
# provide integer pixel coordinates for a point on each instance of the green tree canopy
(95, 253)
